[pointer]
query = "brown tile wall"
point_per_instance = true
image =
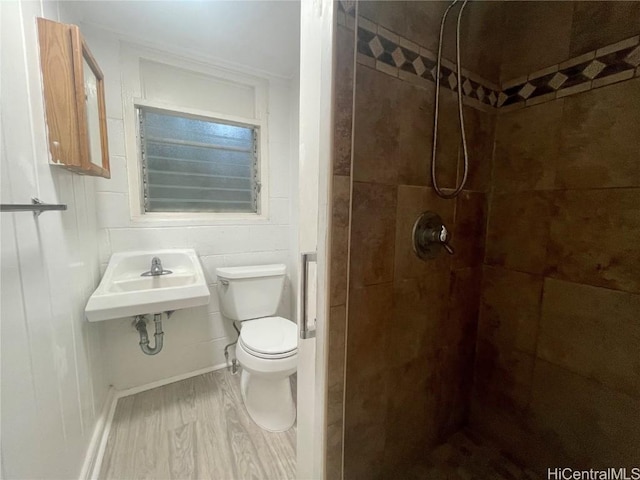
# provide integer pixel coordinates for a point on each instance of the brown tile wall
(535, 35)
(557, 374)
(411, 324)
(557, 287)
(339, 232)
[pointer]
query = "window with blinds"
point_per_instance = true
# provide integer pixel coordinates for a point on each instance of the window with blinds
(196, 164)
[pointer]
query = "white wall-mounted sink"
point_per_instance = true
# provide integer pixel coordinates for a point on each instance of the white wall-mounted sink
(123, 292)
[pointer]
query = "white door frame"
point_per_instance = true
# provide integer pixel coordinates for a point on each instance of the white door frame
(316, 126)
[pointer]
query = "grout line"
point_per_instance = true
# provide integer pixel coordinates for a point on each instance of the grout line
(558, 189)
(348, 259)
(590, 379)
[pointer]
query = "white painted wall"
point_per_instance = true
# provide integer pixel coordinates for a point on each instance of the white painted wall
(53, 383)
(255, 34)
(194, 338)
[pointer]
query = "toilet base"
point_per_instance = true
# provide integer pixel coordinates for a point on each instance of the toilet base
(268, 401)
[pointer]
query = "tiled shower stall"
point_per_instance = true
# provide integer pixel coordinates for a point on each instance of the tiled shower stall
(528, 335)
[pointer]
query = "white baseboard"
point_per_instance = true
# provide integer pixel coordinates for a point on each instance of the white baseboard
(95, 453)
(166, 381)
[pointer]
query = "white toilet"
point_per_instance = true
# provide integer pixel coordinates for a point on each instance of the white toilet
(268, 346)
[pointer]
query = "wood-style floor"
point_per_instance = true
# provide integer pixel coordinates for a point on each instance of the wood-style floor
(194, 429)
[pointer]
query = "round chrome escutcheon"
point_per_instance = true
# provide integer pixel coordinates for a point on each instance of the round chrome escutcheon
(429, 236)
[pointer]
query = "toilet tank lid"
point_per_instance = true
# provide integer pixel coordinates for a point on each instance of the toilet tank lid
(252, 271)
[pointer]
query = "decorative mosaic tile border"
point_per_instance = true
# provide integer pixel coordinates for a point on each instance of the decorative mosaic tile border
(394, 55)
(611, 64)
(388, 52)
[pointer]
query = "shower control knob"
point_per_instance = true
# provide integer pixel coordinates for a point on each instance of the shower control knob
(430, 236)
(443, 238)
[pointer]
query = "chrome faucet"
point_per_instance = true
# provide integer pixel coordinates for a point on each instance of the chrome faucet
(156, 269)
(156, 266)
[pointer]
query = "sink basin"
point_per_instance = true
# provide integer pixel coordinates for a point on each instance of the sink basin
(123, 292)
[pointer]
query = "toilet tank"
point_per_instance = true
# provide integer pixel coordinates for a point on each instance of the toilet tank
(250, 292)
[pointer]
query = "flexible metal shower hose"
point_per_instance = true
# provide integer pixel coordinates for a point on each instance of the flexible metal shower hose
(459, 188)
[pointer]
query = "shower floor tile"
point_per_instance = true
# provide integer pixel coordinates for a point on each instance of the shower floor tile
(467, 456)
(195, 428)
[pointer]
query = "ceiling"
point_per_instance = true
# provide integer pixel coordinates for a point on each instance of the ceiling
(263, 35)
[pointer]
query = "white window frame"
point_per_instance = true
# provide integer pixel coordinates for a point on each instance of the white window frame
(133, 96)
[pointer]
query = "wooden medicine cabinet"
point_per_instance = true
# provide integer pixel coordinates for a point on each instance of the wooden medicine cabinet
(73, 87)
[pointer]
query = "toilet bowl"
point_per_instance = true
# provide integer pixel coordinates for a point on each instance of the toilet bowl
(267, 348)
(268, 354)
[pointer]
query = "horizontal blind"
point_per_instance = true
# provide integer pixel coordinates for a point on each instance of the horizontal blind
(197, 165)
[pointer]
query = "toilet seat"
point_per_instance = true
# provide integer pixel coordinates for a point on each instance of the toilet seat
(269, 337)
